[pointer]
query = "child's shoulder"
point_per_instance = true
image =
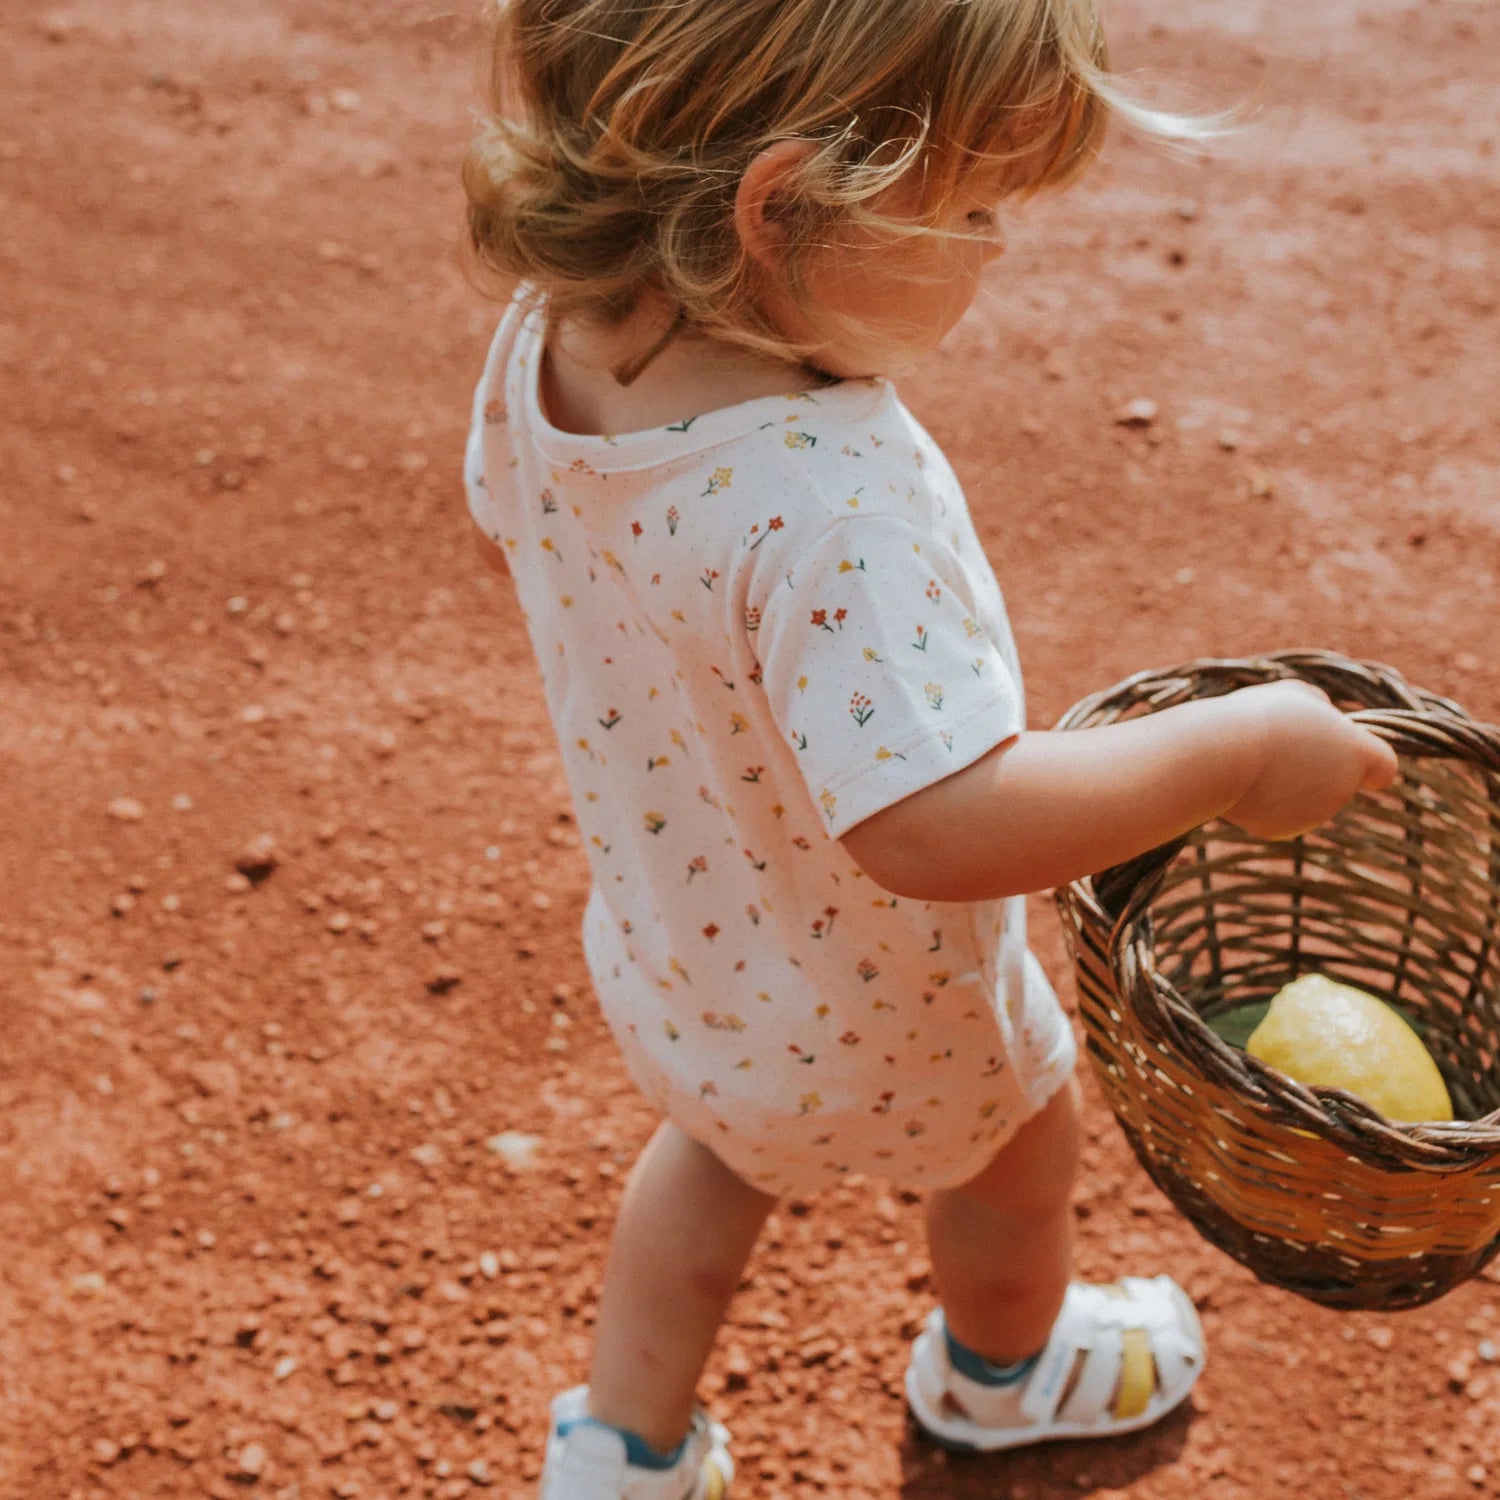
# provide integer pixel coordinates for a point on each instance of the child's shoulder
(853, 451)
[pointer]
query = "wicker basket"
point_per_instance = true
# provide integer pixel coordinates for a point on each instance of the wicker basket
(1400, 894)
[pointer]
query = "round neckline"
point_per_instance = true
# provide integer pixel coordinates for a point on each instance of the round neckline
(651, 445)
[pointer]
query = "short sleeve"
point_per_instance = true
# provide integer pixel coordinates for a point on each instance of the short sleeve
(876, 668)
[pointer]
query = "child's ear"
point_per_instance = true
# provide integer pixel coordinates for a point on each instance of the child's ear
(755, 219)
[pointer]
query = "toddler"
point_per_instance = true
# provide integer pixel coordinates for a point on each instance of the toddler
(785, 688)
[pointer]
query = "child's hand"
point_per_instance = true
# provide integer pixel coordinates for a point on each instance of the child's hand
(1313, 760)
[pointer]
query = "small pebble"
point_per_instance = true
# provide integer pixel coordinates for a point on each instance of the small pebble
(1141, 412)
(252, 1461)
(444, 978)
(514, 1148)
(257, 859)
(126, 810)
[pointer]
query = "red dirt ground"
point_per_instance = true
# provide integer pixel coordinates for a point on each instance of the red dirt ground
(256, 1241)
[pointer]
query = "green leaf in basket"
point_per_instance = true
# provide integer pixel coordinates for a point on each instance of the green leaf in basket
(1235, 1025)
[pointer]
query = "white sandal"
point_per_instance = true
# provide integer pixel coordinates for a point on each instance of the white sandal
(1119, 1358)
(587, 1461)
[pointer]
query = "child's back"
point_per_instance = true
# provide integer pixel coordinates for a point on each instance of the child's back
(758, 626)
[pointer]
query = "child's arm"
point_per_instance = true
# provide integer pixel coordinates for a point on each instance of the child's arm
(1044, 809)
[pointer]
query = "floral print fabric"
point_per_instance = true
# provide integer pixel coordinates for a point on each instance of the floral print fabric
(757, 627)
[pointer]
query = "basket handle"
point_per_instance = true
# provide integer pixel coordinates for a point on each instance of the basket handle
(1125, 890)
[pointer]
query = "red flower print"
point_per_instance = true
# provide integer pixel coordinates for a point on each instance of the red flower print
(636, 528)
(820, 617)
(711, 931)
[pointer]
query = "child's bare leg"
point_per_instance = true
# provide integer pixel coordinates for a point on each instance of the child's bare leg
(1002, 1244)
(686, 1228)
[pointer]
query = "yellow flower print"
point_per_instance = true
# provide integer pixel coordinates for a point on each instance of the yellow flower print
(809, 1104)
(934, 691)
(796, 440)
(547, 545)
(715, 1022)
(829, 802)
(849, 567)
(720, 479)
(672, 1032)
(802, 684)
(738, 723)
(971, 627)
(655, 822)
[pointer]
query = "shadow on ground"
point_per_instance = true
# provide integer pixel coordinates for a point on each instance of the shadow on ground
(1048, 1471)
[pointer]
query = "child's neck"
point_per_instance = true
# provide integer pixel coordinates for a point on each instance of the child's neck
(690, 375)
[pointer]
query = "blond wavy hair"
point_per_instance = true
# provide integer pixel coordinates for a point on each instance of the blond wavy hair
(619, 131)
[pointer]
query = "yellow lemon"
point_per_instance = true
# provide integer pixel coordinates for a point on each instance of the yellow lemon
(1331, 1035)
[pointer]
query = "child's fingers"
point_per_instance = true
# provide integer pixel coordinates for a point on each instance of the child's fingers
(1383, 767)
